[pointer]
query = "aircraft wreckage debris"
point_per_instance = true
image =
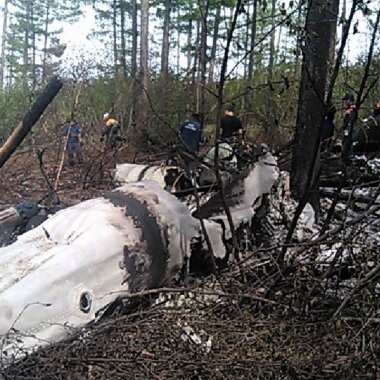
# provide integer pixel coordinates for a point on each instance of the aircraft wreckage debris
(68, 270)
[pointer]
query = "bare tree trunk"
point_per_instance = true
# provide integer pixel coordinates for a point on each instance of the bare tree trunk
(3, 43)
(114, 36)
(46, 31)
(203, 59)
(245, 58)
(248, 95)
(178, 68)
(218, 125)
(311, 109)
(332, 26)
(26, 46)
(12, 59)
(134, 40)
(344, 12)
(165, 41)
(133, 86)
(189, 59)
(122, 38)
(363, 82)
(33, 30)
(188, 43)
(298, 46)
(142, 116)
(196, 54)
(269, 103)
(215, 35)
(272, 43)
(21, 131)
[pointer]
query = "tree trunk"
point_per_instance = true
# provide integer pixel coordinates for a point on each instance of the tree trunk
(144, 71)
(114, 36)
(248, 95)
(134, 40)
(272, 42)
(189, 59)
(178, 68)
(204, 6)
(44, 57)
(332, 28)
(215, 34)
(3, 43)
(269, 103)
(26, 46)
(122, 38)
(311, 109)
(12, 59)
(21, 131)
(165, 41)
(196, 55)
(188, 48)
(298, 46)
(34, 48)
(133, 86)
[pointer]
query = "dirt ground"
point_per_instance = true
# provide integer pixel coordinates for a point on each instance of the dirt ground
(23, 177)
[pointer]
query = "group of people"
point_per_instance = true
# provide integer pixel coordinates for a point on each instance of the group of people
(72, 133)
(348, 125)
(192, 134)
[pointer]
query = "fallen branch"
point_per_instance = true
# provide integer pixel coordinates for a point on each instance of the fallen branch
(52, 192)
(24, 127)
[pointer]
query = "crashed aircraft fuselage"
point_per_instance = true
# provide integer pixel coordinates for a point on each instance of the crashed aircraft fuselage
(62, 274)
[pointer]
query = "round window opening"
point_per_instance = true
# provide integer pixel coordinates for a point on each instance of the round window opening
(85, 302)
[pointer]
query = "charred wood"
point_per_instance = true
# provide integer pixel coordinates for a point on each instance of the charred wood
(25, 126)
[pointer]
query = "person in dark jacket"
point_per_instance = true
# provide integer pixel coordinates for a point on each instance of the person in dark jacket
(350, 116)
(192, 135)
(374, 118)
(230, 124)
(72, 133)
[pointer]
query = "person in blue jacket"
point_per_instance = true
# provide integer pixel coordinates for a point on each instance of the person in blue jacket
(72, 133)
(192, 135)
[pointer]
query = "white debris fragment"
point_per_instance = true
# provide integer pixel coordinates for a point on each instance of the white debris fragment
(129, 173)
(202, 339)
(374, 165)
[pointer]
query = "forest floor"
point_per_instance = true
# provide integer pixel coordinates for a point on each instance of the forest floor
(23, 177)
(255, 321)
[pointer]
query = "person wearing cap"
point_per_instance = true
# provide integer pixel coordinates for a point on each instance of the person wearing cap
(230, 124)
(192, 135)
(72, 133)
(350, 116)
(110, 131)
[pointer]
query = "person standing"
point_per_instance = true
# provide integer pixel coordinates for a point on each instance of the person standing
(350, 116)
(72, 133)
(110, 131)
(374, 118)
(230, 124)
(192, 135)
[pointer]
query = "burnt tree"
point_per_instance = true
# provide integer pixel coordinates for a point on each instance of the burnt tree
(320, 31)
(25, 126)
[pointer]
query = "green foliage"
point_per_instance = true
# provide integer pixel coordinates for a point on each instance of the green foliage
(13, 104)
